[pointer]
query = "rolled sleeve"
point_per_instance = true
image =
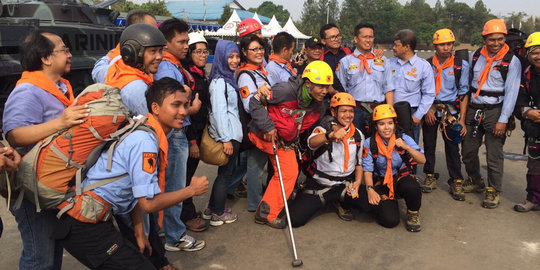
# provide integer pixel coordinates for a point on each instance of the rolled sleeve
(464, 80)
(147, 191)
(511, 90)
(99, 73)
(427, 91)
(144, 182)
(245, 82)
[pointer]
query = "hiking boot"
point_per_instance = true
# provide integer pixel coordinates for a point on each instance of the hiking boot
(197, 224)
(345, 214)
(226, 217)
(491, 200)
(430, 183)
(527, 206)
(241, 190)
(186, 243)
(469, 186)
(277, 223)
(413, 221)
(456, 190)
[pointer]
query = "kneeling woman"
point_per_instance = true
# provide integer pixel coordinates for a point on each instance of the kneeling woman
(337, 157)
(388, 161)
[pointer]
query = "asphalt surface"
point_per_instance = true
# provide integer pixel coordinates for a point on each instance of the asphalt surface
(455, 235)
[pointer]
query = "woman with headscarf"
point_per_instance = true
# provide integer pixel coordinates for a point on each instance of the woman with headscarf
(224, 126)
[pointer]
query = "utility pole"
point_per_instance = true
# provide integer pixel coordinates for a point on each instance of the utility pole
(327, 13)
(204, 16)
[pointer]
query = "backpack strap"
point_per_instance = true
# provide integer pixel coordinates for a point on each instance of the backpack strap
(189, 78)
(252, 77)
(505, 64)
(458, 68)
(430, 61)
(475, 57)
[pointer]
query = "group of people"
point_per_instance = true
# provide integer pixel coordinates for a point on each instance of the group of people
(350, 121)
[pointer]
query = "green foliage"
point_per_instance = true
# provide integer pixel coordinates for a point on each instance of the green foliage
(268, 9)
(389, 16)
(314, 15)
(476, 39)
(157, 7)
(227, 12)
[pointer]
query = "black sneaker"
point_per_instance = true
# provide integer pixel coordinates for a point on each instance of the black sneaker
(469, 186)
(456, 190)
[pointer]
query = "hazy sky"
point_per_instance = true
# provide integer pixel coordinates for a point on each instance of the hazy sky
(497, 7)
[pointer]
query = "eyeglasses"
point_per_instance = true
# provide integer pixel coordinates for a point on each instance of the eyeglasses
(334, 38)
(256, 50)
(64, 50)
(201, 52)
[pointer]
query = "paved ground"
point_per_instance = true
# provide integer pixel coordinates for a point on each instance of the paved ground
(455, 235)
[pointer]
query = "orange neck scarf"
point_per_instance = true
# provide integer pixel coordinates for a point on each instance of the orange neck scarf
(163, 150)
(387, 152)
(114, 52)
(167, 56)
(364, 62)
(438, 77)
(120, 74)
(39, 79)
(276, 59)
(246, 66)
(345, 141)
(489, 61)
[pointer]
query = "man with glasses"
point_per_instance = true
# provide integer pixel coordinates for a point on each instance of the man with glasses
(366, 77)
(333, 51)
(40, 105)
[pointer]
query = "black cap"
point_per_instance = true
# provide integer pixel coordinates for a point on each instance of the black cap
(312, 42)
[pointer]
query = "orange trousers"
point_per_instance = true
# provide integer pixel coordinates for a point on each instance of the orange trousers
(272, 201)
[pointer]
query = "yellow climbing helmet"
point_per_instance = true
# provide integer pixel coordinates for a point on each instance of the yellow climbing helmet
(443, 36)
(342, 99)
(384, 111)
(319, 72)
(533, 40)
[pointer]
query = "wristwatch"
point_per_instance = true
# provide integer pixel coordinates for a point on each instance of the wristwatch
(327, 136)
(369, 187)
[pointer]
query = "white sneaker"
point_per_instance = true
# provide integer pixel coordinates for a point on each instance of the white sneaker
(186, 243)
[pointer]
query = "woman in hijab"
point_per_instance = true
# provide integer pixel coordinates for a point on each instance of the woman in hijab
(224, 127)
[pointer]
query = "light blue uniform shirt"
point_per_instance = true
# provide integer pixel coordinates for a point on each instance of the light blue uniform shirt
(29, 105)
(397, 162)
(123, 193)
(495, 83)
(413, 82)
(225, 122)
(134, 97)
(246, 81)
(168, 69)
(99, 73)
(277, 72)
(365, 87)
(449, 91)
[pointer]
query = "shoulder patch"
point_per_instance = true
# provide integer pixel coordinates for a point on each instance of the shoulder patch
(318, 131)
(244, 92)
(365, 151)
(149, 162)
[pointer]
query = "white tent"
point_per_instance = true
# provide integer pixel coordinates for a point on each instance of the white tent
(229, 28)
(256, 17)
(272, 28)
(291, 29)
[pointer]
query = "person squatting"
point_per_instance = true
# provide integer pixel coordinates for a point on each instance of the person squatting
(348, 121)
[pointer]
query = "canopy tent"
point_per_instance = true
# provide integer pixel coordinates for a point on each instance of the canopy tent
(272, 28)
(256, 17)
(291, 29)
(229, 28)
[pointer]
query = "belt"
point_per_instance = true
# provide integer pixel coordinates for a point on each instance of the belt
(473, 90)
(453, 102)
(484, 106)
(368, 106)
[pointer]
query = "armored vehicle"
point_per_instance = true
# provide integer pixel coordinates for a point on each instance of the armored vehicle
(87, 28)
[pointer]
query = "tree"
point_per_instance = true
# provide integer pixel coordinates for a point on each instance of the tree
(157, 7)
(227, 12)
(476, 39)
(380, 13)
(268, 9)
(315, 13)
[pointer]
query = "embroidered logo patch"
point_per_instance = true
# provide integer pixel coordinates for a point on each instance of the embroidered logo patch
(411, 74)
(244, 92)
(318, 131)
(149, 162)
(413, 70)
(353, 66)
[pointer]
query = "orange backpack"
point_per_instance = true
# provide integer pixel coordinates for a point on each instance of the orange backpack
(52, 171)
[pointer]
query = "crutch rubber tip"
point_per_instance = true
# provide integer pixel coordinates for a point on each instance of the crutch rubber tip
(297, 263)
